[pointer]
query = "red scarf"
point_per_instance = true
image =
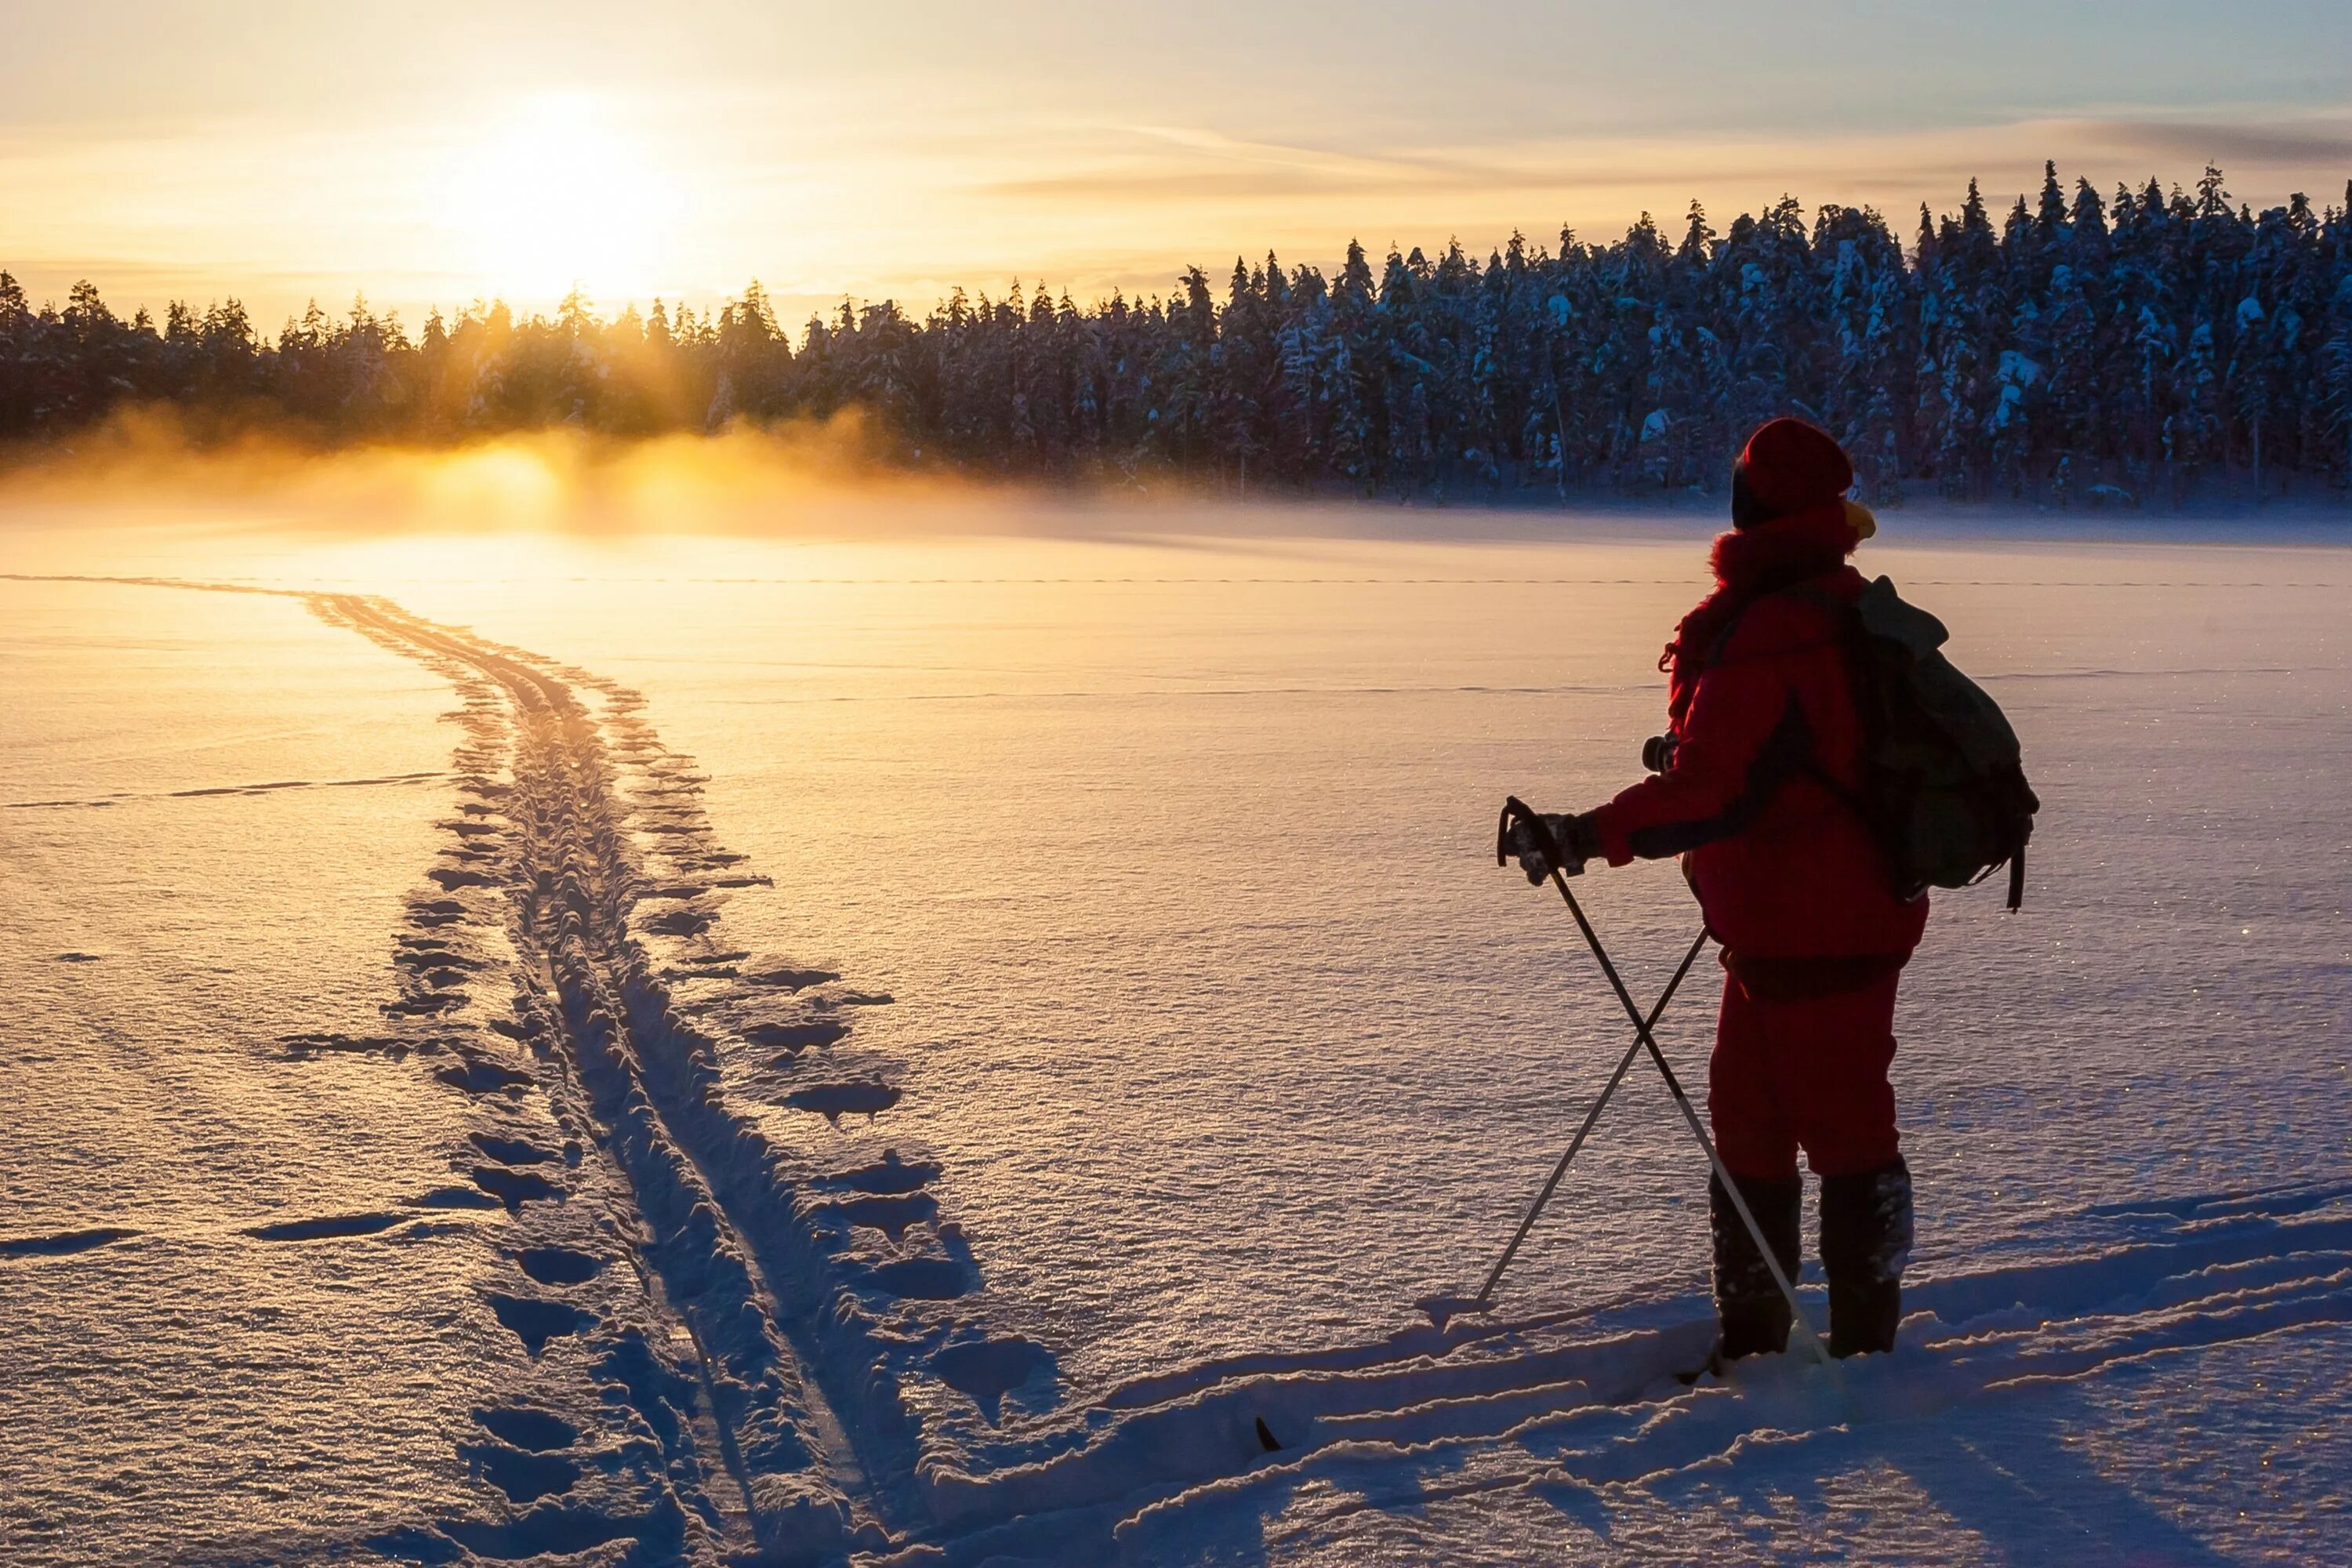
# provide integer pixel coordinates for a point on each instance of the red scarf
(1748, 564)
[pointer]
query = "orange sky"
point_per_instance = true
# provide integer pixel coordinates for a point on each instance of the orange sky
(278, 151)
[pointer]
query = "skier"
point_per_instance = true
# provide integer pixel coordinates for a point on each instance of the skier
(1754, 790)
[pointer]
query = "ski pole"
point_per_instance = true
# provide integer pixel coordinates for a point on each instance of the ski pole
(1516, 809)
(1479, 1303)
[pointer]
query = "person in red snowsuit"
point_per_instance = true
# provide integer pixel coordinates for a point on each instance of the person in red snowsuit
(1756, 797)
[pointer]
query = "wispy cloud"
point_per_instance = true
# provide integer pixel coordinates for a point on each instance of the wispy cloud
(824, 197)
(2319, 143)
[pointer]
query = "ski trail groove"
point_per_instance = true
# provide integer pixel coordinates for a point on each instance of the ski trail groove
(852, 1391)
(590, 1006)
(847, 1385)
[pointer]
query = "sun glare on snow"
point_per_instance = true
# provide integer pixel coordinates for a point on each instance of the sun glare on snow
(555, 196)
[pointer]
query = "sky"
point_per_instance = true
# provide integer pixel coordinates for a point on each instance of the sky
(437, 153)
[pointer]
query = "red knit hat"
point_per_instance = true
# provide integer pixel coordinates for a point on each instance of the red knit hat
(1788, 466)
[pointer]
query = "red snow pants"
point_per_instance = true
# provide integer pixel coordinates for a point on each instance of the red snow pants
(1805, 1072)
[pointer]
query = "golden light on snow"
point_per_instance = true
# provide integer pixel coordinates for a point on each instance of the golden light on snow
(555, 196)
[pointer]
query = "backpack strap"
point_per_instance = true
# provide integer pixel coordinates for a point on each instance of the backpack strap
(1846, 622)
(1842, 616)
(1849, 799)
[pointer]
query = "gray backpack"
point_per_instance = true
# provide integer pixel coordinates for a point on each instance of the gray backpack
(1943, 778)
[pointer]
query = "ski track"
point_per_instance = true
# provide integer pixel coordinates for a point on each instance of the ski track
(787, 1344)
(778, 1330)
(808, 1338)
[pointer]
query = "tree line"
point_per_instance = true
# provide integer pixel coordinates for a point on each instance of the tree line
(2082, 350)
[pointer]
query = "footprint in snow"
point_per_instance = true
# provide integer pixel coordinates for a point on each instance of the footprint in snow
(514, 1188)
(988, 1370)
(453, 1198)
(559, 1265)
(476, 1076)
(422, 1006)
(527, 1428)
(325, 1227)
(835, 1100)
(681, 922)
(523, 1476)
(890, 1215)
(791, 979)
(535, 1321)
(61, 1245)
(921, 1278)
(509, 1150)
(890, 1175)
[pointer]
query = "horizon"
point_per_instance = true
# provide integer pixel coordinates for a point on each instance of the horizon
(2070, 351)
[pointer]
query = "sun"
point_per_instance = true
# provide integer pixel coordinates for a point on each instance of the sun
(554, 196)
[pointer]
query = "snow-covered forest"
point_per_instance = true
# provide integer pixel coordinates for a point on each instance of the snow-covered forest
(2082, 350)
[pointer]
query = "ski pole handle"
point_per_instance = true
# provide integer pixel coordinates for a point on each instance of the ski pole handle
(1512, 807)
(1517, 813)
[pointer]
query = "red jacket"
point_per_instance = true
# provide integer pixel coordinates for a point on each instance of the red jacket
(1759, 704)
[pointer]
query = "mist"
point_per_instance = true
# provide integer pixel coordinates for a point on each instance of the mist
(813, 478)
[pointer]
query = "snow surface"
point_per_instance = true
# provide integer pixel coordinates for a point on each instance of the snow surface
(710, 1049)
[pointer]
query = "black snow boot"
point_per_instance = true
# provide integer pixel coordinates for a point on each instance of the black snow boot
(1865, 1242)
(1751, 1314)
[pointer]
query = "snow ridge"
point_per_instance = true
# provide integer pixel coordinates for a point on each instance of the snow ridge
(1578, 1404)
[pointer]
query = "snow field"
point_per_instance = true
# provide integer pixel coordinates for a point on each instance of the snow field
(941, 1176)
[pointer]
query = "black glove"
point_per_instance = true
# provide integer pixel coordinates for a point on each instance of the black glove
(1575, 838)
